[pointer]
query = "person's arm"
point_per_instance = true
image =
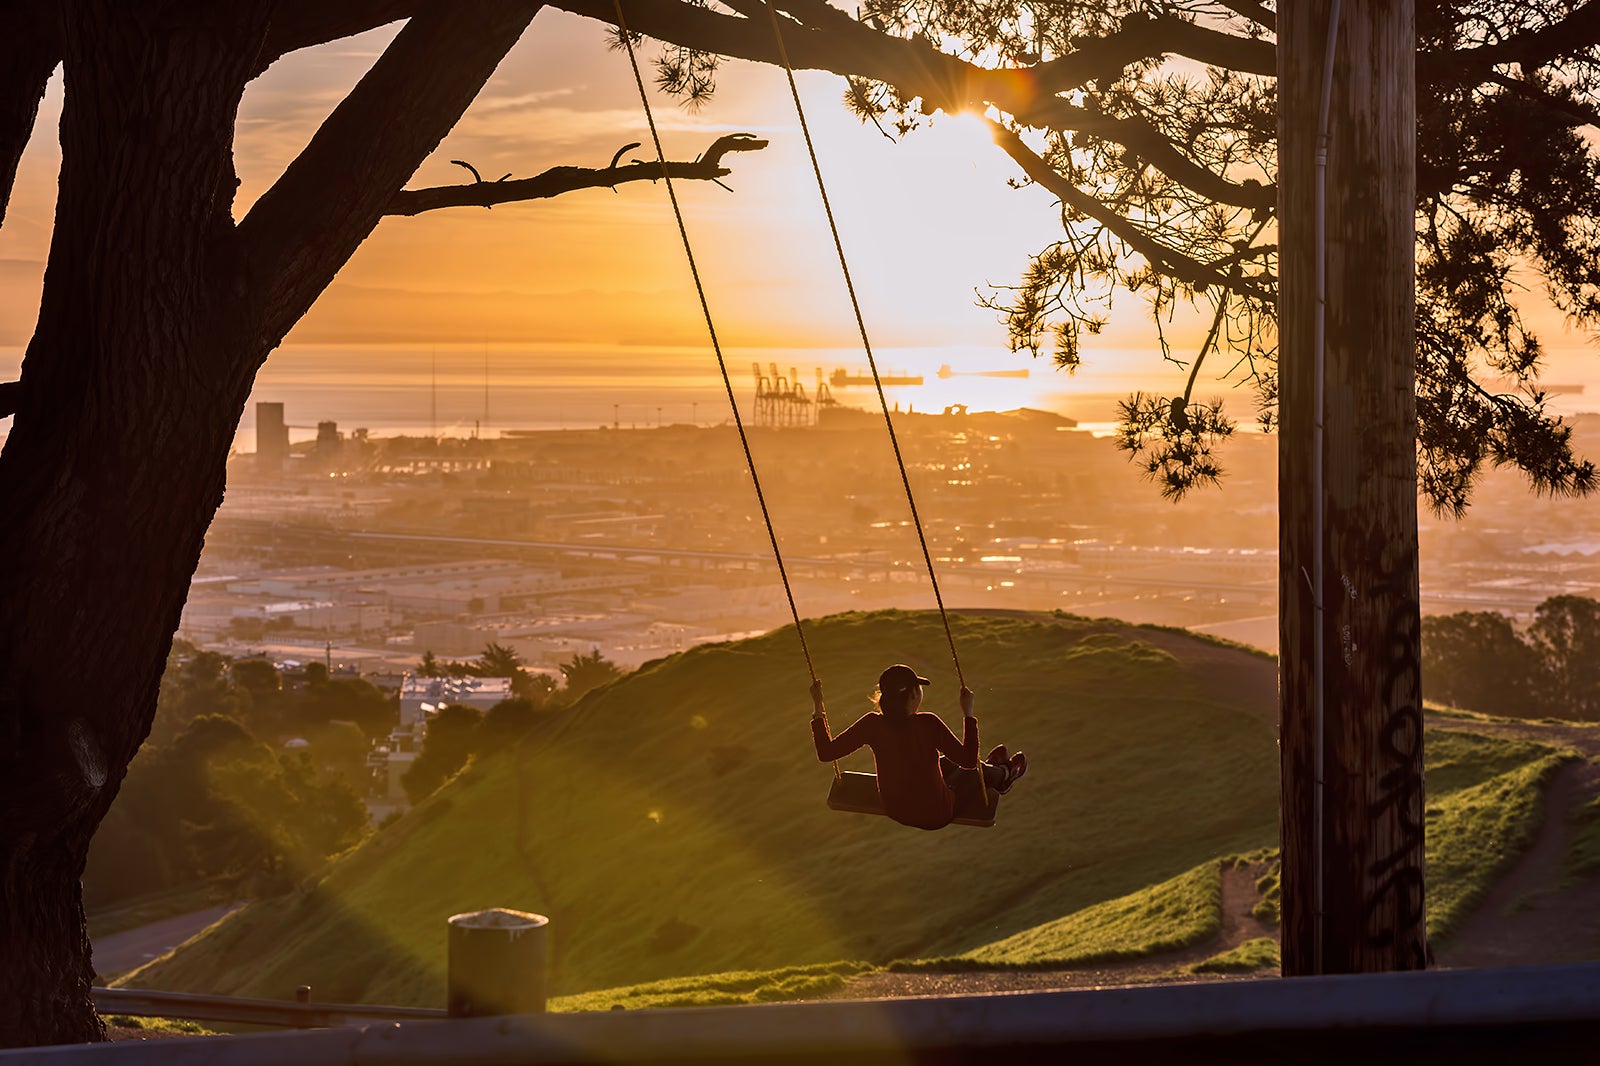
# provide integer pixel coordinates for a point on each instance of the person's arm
(831, 748)
(964, 752)
(970, 749)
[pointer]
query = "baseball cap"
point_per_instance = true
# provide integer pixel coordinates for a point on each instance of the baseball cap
(900, 678)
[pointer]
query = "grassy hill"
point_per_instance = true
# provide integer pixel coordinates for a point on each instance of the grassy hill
(673, 824)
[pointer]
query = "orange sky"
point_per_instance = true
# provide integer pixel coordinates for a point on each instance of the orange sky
(925, 221)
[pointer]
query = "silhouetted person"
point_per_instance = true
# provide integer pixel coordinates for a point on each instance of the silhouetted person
(920, 763)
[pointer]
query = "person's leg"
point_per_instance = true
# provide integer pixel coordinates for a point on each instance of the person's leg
(1017, 766)
(995, 775)
(1001, 774)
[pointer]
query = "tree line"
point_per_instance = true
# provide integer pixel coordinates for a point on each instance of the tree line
(457, 732)
(580, 674)
(1479, 661)
(215, 797)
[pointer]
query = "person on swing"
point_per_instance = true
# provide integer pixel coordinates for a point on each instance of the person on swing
(920, 763)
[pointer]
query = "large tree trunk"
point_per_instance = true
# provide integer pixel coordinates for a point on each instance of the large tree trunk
(157, 312)
(131, 389)
(1371, 866)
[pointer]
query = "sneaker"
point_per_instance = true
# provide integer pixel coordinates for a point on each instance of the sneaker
(1019, 766)
(1015, 767)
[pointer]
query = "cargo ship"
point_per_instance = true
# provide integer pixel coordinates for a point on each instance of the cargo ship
(842, 378)
(946, 372)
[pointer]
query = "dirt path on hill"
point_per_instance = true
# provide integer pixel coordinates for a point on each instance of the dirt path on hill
(1238, 925)
(1530, 916)
(1582, 736)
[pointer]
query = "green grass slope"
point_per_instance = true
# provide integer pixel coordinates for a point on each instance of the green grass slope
(1485, 806)
(674, 823)
(1176, 913)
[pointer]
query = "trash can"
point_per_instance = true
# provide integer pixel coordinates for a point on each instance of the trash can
(496, 963)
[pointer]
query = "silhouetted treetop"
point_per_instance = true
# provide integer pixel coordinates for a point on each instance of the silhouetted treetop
(1154, 124)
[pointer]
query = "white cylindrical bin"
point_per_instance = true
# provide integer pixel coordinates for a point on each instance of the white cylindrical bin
(496, 963)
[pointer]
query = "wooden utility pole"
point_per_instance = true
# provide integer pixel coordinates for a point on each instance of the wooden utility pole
(1352, 856)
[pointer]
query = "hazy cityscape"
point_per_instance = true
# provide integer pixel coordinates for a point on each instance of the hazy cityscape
(642, 541)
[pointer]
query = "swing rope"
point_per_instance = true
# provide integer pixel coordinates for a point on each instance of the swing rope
(866, 344)
(727, 382)
(872, 362)
(705, 309)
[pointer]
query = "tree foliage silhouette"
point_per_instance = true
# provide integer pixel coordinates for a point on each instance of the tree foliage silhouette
(586, 672)
(1153, 123)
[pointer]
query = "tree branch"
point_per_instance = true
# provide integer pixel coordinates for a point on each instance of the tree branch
(831, 40)
(1172, 262)
(1155, 148)
(1255, 11)
(558, 180)
(300, 24)
(822, 37)
(305, 228)
(1535, 48)
(1583, 114)
(30, 48)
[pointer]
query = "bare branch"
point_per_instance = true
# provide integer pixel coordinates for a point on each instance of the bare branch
(558, 180)
(306, 227)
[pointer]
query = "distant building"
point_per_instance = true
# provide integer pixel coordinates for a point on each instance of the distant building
(421, 696)
(272, 438)
(329, 442)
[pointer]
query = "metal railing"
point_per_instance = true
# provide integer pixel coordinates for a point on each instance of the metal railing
(289, 1014)
(1537, 1014)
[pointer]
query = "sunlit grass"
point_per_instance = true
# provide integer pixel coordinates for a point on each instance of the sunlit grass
(673, 824)
(1457, 760)
(1475, 834)
(159, 1026)
(720, 989)
(1249, 957)
(1583, 853)
(1176, 913)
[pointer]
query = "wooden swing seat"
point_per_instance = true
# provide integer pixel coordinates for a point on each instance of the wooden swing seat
(857, 793)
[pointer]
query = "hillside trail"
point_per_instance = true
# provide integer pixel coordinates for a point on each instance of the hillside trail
(1532, 914)
(1239, 897)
